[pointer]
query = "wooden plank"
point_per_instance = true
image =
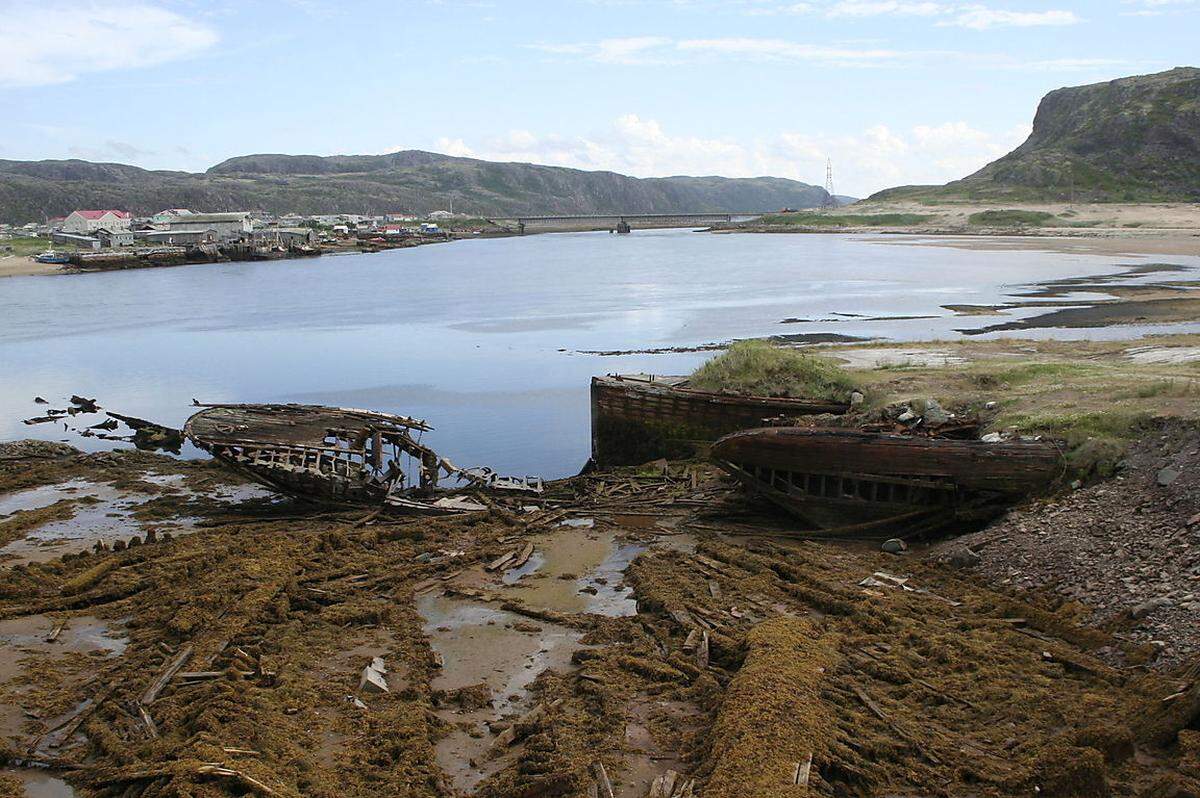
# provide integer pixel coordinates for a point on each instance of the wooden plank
(164, 677)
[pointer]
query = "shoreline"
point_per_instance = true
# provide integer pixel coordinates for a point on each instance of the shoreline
(1126, 228)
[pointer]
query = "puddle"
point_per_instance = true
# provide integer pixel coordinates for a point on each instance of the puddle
(478, 643)
(612, 597)
(575, 572)
(40, 784)
(106, 515)
(44, 496)
(26, 637)
(646, 759)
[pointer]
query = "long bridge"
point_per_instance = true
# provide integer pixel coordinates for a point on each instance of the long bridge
(621, 222)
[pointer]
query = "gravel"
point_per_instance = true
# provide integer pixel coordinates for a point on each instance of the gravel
(1127, 549)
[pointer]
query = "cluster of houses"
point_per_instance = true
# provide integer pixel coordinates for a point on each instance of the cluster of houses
(110, 228)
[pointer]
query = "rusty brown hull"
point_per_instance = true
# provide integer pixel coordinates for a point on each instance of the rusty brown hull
(635, 419)
(835, 478)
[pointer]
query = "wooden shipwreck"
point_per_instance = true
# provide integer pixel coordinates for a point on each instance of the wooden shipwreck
(335, 455)
(859, 483)
(637, 418)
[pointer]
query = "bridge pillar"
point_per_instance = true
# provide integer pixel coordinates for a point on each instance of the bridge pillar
(623, 226)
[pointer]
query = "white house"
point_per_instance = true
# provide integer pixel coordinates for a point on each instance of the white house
(82, 222)
(164, 216)
(226, 225)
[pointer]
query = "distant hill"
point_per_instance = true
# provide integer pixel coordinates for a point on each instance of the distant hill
(411, 181)
(1129, 140)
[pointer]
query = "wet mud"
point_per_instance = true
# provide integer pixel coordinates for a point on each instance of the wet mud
(674, 645)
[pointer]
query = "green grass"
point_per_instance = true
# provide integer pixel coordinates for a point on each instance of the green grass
(1010, 218)
(814, 219)
(1030, 372)
(763, 369)
(29, 245)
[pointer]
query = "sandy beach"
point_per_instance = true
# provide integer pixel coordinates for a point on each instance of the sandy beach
(23, 266)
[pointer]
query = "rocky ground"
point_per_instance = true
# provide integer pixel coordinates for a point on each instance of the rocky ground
(644, 631)
(1127, 550)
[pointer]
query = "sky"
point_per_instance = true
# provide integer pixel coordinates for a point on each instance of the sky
(893, 92)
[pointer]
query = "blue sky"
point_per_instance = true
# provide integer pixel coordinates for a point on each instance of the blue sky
(894, 91)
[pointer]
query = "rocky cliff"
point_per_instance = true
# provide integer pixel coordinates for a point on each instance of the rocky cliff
(1128, 140)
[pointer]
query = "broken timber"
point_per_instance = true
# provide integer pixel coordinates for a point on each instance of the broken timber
(337, 455)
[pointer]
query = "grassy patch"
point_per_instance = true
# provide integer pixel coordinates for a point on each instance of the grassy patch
(763, 369)
(28, 245)
(814, 219)
(1010, 218)
(1037, 372)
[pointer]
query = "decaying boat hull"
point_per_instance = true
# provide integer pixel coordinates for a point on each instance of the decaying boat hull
(333, 455)
(640, 418)
(857, 481)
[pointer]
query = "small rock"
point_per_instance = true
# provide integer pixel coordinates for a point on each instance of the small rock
(894, 546)
(1167, 476)
(907, 415)
(856, 398)
(934, 413)
(961, 557)
(1147, 607)
(992, 437)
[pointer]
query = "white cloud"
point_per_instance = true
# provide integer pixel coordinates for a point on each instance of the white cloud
(55, 42)
(983, 18)
(975, 16)
(1156, 8)
(862, 8)
(781, 50)
(876, 158)
(631, 51)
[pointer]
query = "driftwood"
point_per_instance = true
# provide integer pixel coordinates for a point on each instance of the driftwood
(523, 557)
(803, 771)
(249, 782)
(159, 684)
(602, 782)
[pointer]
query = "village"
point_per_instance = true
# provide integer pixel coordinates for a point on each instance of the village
(114, 238)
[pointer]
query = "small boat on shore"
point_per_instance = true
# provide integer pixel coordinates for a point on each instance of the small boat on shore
(338, 456)
(640, 417)
(50, 256)
(858, 483)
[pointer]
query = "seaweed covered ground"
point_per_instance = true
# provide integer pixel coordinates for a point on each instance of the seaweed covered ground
(644, 633)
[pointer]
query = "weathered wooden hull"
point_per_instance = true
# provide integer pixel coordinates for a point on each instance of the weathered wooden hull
(834, 478)
(637, 419)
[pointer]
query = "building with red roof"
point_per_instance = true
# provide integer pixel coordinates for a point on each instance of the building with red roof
(84, 222)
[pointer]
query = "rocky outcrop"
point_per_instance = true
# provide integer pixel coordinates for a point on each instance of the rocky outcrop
(1128, 140)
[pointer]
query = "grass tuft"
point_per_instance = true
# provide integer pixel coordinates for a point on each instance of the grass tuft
(763, 369)
(1010, 218)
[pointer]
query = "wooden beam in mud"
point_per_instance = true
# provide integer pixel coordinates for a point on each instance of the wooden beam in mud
(164, 678)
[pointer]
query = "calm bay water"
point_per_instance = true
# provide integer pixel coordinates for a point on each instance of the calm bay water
(482, 338)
